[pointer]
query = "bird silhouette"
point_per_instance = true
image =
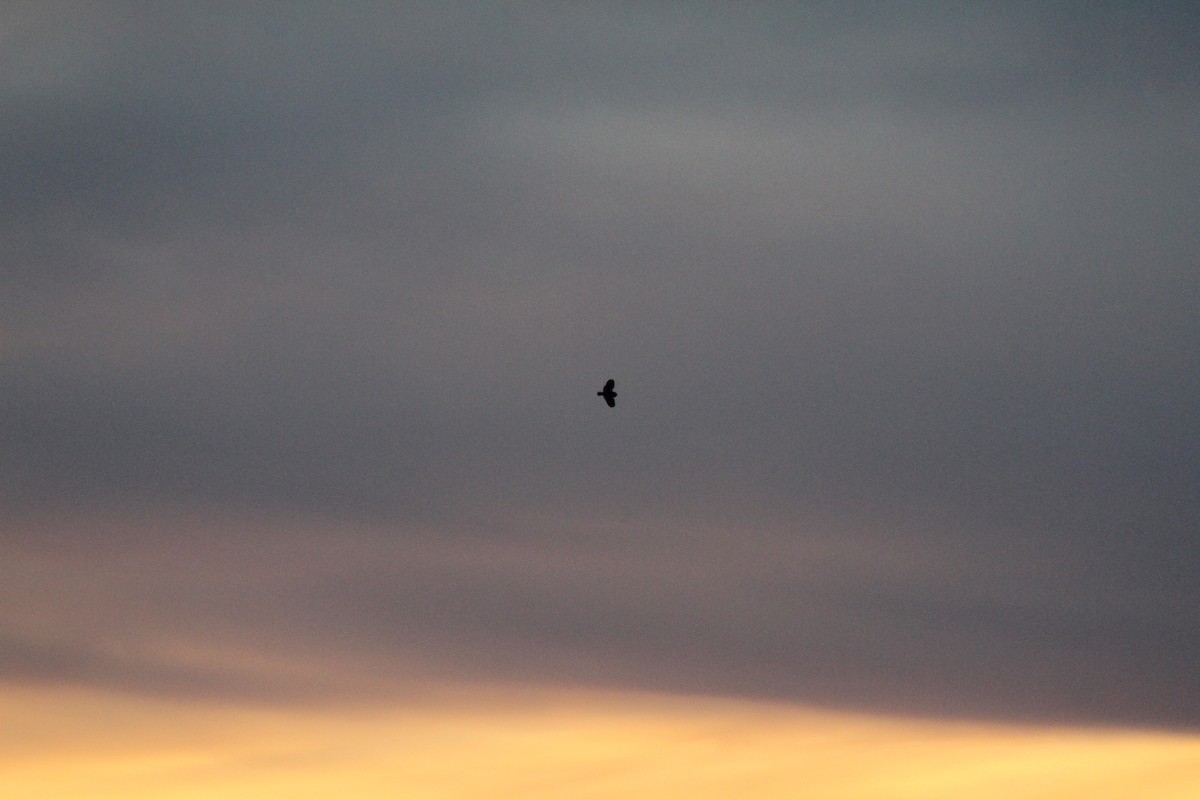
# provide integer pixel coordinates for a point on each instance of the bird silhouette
(608, 394)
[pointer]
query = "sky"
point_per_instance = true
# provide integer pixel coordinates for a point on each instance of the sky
(304, 309)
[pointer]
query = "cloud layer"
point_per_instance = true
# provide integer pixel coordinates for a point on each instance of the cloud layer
(302, 317)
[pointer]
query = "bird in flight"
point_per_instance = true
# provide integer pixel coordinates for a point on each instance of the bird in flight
(608, 394)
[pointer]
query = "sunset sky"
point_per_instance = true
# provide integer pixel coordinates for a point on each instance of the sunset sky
(305, 490)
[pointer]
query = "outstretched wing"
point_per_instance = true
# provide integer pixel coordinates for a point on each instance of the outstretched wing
(611, 399)
(608, 387)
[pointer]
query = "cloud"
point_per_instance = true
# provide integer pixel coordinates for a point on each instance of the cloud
(923, 280)
(256, 609)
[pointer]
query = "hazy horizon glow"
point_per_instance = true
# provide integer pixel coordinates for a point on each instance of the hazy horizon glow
(463, 741)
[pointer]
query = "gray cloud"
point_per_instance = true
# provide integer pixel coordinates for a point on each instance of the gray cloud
(828, 610)
(929, 279)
